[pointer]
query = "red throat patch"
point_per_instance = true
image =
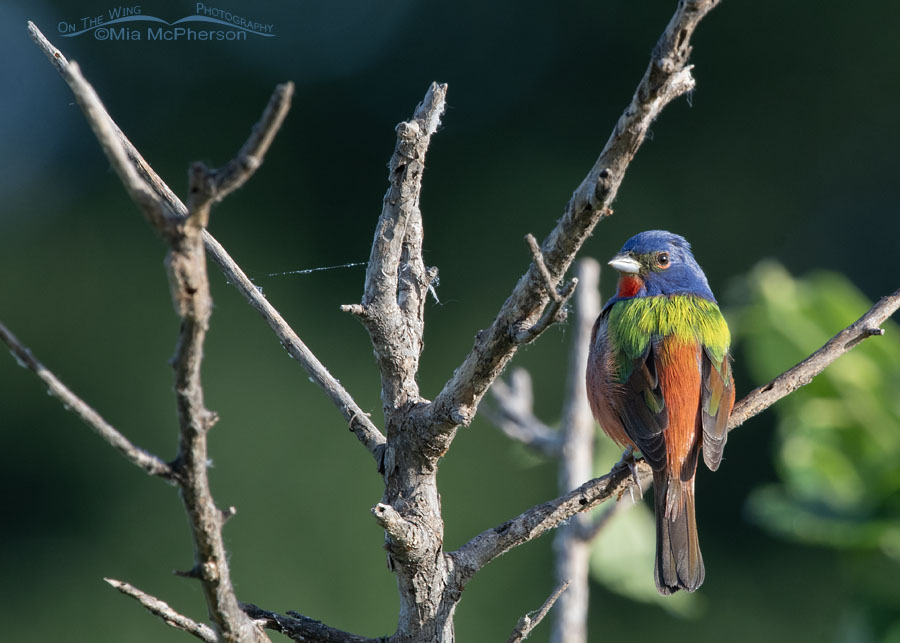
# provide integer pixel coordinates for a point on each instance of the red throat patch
(630, 285)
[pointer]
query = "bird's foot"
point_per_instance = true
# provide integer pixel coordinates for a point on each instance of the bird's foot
(629, 461)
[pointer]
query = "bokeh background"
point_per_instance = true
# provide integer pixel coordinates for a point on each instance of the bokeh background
(787, 151)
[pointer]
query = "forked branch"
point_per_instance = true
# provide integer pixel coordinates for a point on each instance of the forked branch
(358, 420)
(393, 302)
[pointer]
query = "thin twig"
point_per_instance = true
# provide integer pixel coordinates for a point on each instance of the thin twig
(803, 373)
(667, 77)
(554, 313)
(302, 628)
(531, 620)
(250, 156)
(166, 613)
(514, 414)
(538, 258)
(146, 461)
(208, 185)
(107, 135)
(359, 422)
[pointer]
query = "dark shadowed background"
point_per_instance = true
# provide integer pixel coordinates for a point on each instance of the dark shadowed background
(787, 149)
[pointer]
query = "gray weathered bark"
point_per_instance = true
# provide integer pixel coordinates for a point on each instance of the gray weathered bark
(418, 432)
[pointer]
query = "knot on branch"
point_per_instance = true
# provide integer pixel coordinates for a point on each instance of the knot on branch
(408, 541)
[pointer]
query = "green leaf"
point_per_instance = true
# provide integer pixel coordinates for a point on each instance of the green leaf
(838, 438)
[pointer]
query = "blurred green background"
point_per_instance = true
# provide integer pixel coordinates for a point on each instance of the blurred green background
(787, 150)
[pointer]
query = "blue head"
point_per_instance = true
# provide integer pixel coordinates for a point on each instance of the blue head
(657, 262)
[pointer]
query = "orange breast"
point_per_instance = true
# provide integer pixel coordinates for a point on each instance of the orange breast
(679, 374)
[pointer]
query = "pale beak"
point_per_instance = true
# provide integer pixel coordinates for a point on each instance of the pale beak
(625, 264)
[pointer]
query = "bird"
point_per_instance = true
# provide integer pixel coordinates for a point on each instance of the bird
(659, 380)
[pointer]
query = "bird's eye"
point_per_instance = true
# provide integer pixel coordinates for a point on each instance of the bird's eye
(662, 260)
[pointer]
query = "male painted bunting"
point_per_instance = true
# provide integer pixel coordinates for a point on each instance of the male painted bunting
(659, 380)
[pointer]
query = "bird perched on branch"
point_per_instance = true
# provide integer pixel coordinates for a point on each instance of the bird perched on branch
(659, 380)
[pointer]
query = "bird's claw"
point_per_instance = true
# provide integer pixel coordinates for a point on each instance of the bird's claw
(629, 461)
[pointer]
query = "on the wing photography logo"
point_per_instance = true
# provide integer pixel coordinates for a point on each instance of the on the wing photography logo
(206, 24)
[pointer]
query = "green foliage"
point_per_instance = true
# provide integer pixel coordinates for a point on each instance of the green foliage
(839, 437)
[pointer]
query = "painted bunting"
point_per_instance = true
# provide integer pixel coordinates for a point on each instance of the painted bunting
(659, 380)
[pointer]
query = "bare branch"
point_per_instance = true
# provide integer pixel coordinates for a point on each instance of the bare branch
(393, 302)
(538, 257)
(515, 416)
(107, 134)
(803, 373)
(666, 78)
(358, 420)
(578, 421)
(528, 622)
(360, 423)
(251, 155)
(208, 185)
(302, 628)
(572, 551)
(146, 461)
(189, 285)
(553, 313)
(161, 609)
(492, 543)
(527, 526)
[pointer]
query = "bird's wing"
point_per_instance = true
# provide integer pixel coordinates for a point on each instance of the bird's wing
(716, 400)
(643, 408)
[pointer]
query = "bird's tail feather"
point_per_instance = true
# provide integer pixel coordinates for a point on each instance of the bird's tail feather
(679, 564)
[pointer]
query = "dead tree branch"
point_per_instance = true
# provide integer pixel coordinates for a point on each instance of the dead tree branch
(357, 419)
(161, 609)
(531, 620)
(667, 77)
(514, 414)
(759, 399)
(392, 310)
(536, 521)
(492, 543)
(150, 463)
(572, 552)
(419, 432)
(189, 284)
(302, 628)
(393, 303)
